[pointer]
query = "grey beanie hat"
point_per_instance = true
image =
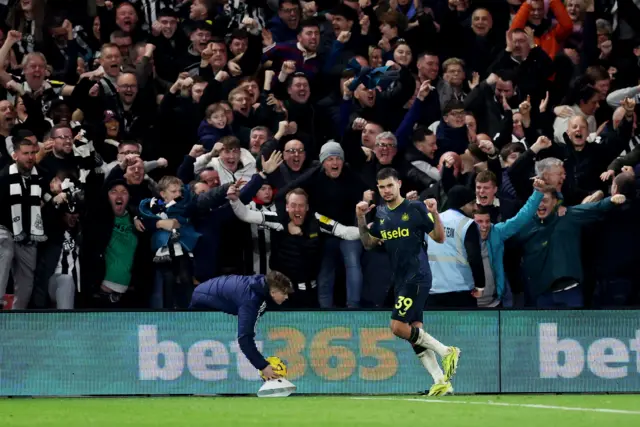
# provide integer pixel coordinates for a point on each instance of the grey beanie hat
(329, 149)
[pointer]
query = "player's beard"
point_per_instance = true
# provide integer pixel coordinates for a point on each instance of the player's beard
(393, 199)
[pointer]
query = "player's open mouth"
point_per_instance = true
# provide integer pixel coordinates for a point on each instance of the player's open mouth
(483, 199)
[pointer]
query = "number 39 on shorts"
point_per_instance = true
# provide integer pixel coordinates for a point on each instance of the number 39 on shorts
(403, 305)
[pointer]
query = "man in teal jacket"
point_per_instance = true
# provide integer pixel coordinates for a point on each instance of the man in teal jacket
(552, 251)
(493, 237)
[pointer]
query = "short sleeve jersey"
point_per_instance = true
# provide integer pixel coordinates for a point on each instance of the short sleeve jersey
(403, 231)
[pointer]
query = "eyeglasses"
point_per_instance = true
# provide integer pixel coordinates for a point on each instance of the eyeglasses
(128, 87)
(294, 150)
(385, 145)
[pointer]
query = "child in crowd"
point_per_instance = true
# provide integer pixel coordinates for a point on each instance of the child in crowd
(173, 245)
(214, 126)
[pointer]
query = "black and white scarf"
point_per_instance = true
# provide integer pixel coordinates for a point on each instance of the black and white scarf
(173, 249)
(84, 152)
(69, 262)
(25, 208)
(237, 10)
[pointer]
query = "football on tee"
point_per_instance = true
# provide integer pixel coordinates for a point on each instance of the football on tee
(278, 366)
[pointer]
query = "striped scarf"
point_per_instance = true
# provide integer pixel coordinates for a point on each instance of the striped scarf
(69, 262)
(173, 249)
(25, 208)
(84, 152)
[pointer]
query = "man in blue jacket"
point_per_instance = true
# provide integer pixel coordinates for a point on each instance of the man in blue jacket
(245, 297)
(493, 237)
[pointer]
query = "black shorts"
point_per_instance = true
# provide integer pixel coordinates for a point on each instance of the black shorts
(409, 302)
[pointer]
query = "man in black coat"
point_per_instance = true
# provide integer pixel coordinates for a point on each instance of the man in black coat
(118, 256)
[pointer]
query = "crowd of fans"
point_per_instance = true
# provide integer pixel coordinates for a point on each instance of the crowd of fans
(150, 145)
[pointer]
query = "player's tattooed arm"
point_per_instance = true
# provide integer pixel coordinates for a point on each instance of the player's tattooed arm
(368, 241)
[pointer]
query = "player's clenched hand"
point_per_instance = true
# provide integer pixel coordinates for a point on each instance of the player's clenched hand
(432, 205)
(367, 196)
(363, 208)
(412, 195)
(375, 241)
(269, 374)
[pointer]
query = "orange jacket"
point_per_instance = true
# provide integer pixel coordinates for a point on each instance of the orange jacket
(551, 41)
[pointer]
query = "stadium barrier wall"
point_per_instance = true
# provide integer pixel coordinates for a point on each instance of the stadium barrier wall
(132, 353)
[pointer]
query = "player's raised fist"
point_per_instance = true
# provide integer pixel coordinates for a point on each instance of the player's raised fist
(363, 208)
(367, 196)
(432, 205)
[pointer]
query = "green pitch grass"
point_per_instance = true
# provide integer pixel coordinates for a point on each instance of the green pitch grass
(339, 411)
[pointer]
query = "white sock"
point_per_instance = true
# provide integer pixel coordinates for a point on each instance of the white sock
(430, 363)
(431, 343)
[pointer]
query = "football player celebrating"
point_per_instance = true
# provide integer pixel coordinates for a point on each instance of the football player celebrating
(400, 227)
